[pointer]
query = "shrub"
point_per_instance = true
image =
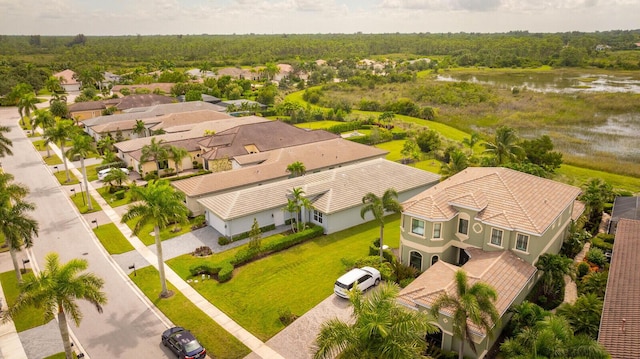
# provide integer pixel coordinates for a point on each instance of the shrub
(204, 269)
(599, 242)
(405, 282)
(286, 317)
(202, 251)
(582, 269)
(293, 239)
(223, 240)
(120, 194)
(597, 257)
(386, 272)
(226, 272)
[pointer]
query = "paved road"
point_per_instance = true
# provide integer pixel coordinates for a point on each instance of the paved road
(128, 327)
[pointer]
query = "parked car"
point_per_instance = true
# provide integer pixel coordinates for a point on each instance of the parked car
(183, 344)
(366, 277)
(103, 173)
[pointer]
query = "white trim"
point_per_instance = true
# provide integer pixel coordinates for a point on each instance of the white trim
(424, 226)
(433, 230)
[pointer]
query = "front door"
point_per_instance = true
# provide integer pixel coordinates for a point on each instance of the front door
(463, 257)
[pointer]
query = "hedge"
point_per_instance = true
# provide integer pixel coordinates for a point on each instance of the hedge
(199, 173)
(345, 127)
(224, 240)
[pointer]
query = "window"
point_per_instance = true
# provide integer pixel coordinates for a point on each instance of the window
(496, 237)
(437, 230)
(434, 259)
(415, 260)
(417, 227)
(463, 226)
(522, 242)
(317, 216)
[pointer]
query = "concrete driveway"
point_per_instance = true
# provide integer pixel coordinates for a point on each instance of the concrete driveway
(296, 340)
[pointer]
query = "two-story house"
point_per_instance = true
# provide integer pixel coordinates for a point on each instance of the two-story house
(493, 223)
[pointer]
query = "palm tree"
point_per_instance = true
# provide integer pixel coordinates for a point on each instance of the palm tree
(5, 143)
(526, 315)
(584, 314)
(10, 191)
(470, 305)
(82, 146)
(115, 177)
(295, 204)
(177, 155)
(457, 163)
(296, 169)
(140, 128)
(381, 328)
(26, 104)
(106, 143)
(155, 151)
(471, 141)
(59, 134)
(53, 85)
(43, 118)
(160, 205)
(554, 267)
(505, 146)
(378, 206)
(56, 289)
(18, 229)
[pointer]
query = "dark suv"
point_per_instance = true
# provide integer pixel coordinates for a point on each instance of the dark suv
(183, 343)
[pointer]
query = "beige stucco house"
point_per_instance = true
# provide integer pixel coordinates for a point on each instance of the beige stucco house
(493, 223)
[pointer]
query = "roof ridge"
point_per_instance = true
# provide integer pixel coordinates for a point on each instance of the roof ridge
(515, 200)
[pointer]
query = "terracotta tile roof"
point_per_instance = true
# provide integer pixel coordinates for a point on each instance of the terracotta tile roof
(174, 122)
(315, 156)
(196, 130)
(503, 270)
(622, 298)
(189, 144)
(330, 191)
(162, 86)
(144, 100)
(505, 198)
(265, 136)
(67, 77)
(87, 106)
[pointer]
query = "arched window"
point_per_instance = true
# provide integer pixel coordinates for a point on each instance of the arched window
(415, 260)
(434, 259)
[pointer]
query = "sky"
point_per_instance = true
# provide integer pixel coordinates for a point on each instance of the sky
(150, 17)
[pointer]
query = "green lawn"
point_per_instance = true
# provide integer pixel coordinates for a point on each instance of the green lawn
(60, 355)
(218, 342)
(112, 239)
(28, 318)
(81, 203)
(53, 160)
(296, 279)
(111, 197)
(318, 124)
(148, 238)
(577, 176)
(61, 176)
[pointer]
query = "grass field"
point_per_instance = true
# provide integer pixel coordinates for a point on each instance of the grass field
(218, 342)
(148, 238)
(28, 318)
(112, 239)
(81, 203)
(111, 197)
(296, 279)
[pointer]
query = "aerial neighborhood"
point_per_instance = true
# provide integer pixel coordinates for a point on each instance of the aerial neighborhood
(382, 204)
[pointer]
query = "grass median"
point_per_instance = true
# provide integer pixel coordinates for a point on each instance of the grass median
(112, 239)
(30, 316)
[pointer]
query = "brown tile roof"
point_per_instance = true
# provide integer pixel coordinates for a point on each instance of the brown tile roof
(87, 106)
(504, 197)
(196, 130)
(622, 298)
(162, 86)
(189, 144)
(67, 77)
(503, 270)
(144, 100)
(315, 156)
(330, 191)
(265, 136)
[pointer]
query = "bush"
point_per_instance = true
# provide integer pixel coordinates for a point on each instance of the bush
(405, 282)
(582, 269)
(286, 317)
(600, 242)
(223, 240)
(293, 239)
(597, 257)
(120, 194)
(226, 272)
(386, 272)
(204, 269)
(202, 251)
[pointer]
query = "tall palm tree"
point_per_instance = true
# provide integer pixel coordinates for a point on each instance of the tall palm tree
(526, 315)
(177, 155)
(82, 146)
(378, 206)
(5, 143)
(160, 205)
(381, 328)
(26, 104)
(470, 305)
(457, 163)
(59, 134)
(10, 191)
(296, 202)
(554, 267)
(57, 289)
(18, 229)
(52, 84)
(505, 146)
(43, 118)
(140, 128)
(155, 151)
(105, 143)
(296, 169)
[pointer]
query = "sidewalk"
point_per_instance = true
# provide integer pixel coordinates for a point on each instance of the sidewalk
(248, 339)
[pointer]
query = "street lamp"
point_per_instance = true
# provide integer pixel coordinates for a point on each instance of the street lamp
(24, 265)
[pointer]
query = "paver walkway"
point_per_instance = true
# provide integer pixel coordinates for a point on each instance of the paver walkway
(196, 298)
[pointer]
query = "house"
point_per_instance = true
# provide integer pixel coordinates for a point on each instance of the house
(255, 138)
(187, 135)
(81, 111)
(162, 87)
(237, 73)
(623, 207)
(336, 196)
(203, 97)
(68, 80)
(620, 324)
(259, 169)
(498, 217)
(242, 105)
